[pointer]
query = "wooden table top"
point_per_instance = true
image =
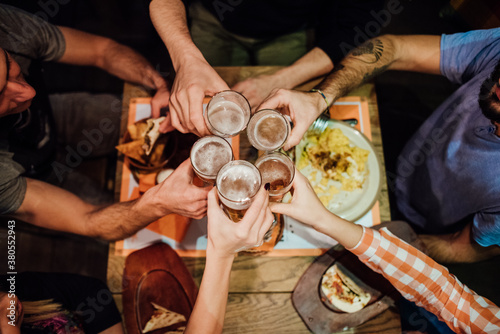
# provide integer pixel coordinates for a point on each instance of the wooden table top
(260, 288)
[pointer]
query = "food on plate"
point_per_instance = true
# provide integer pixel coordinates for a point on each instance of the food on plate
(162, 318)
(336, 158)
(342, 292)
(334, 166)
(146, 144)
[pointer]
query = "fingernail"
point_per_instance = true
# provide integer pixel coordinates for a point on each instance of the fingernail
(267, 186)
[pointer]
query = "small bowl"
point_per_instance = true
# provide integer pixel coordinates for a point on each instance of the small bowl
(168, 153)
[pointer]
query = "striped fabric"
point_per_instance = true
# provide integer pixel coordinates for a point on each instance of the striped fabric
(425, 282)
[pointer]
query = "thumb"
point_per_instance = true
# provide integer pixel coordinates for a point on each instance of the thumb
(296, 135)
(212, 199)
(166, 125)
(185, 168)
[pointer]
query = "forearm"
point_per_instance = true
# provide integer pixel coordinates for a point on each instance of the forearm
(359, 66)
(210, 307)
(57, 209)
(346, 233)
(91, 50)
(123, 219)
(169, 19)
(129, 65)
(313, 64)
(422, 280)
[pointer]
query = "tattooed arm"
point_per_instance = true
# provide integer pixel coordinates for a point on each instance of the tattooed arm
(389, 52)
(408, 53)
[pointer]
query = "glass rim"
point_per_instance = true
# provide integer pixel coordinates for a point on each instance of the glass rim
(197, 142)
(233, 163)
(219, 133)
(271, 111)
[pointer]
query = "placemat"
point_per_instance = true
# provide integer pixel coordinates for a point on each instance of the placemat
(188, 237)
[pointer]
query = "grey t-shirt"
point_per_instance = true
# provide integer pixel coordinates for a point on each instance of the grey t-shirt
(26, 38)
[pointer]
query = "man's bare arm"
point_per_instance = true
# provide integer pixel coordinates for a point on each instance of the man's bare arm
(169, 19)
(195, 78)
(54, 208)
(388, 52)
(313, 64)
(117, 59)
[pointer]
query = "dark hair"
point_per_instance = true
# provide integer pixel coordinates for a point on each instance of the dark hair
(488, 99)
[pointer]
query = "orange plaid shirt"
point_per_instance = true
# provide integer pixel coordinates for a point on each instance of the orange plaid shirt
(427, 283)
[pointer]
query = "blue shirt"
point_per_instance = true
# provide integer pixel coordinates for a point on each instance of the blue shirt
(450, 170)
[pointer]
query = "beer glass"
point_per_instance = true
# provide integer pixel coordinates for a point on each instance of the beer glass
(227, 113)
(237, 182)
(278, 170)
(268, 130)
(208, 155)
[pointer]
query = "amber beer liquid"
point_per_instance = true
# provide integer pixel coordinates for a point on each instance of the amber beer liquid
(278, 170)
(268, 130)
(237, 183)
(227, 114)
(208, 155)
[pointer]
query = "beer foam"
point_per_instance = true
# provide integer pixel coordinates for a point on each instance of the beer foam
(210, 155)
(238, 184)
(227, 117)
(270, 132)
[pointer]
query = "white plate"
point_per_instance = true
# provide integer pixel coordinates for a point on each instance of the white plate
(352, 205)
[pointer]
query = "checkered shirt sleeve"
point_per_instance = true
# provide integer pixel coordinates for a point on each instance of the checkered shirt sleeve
(427, 283)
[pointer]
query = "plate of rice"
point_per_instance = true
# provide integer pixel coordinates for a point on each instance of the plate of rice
(343, 169)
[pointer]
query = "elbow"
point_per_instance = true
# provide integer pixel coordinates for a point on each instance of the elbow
(104, 50)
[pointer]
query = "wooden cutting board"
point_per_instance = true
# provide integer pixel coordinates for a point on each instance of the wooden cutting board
(156, 274)
(319, 315)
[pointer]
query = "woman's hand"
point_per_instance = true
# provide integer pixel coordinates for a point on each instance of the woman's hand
(305, 205)
(226, 237)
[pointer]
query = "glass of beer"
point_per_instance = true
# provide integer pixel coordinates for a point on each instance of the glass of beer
(227, 114)
(237, 182)
(208, 155)
(278, 170)
(268, 130)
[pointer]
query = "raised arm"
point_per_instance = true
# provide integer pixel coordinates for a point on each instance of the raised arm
(224, 239)
(414, 274)
(313, 64)
(54, 208)
(388, 52)
(195, 78)
(117, 59)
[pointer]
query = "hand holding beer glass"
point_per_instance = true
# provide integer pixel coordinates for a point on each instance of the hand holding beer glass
(227, 113)
(208, 155)
(237, 183)
(277, 170)
(268, 130)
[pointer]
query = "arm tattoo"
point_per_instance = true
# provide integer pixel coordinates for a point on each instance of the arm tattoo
(376, 71)
(375, 48)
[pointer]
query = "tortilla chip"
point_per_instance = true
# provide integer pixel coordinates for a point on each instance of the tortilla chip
(133, 150)
(137, 130)
(162, 318)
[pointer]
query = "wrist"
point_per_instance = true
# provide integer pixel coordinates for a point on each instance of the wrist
(187, 58)
(151, 202)
(285, 78)
(217, 255)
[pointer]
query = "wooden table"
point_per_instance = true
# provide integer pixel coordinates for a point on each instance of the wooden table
(260, 287)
